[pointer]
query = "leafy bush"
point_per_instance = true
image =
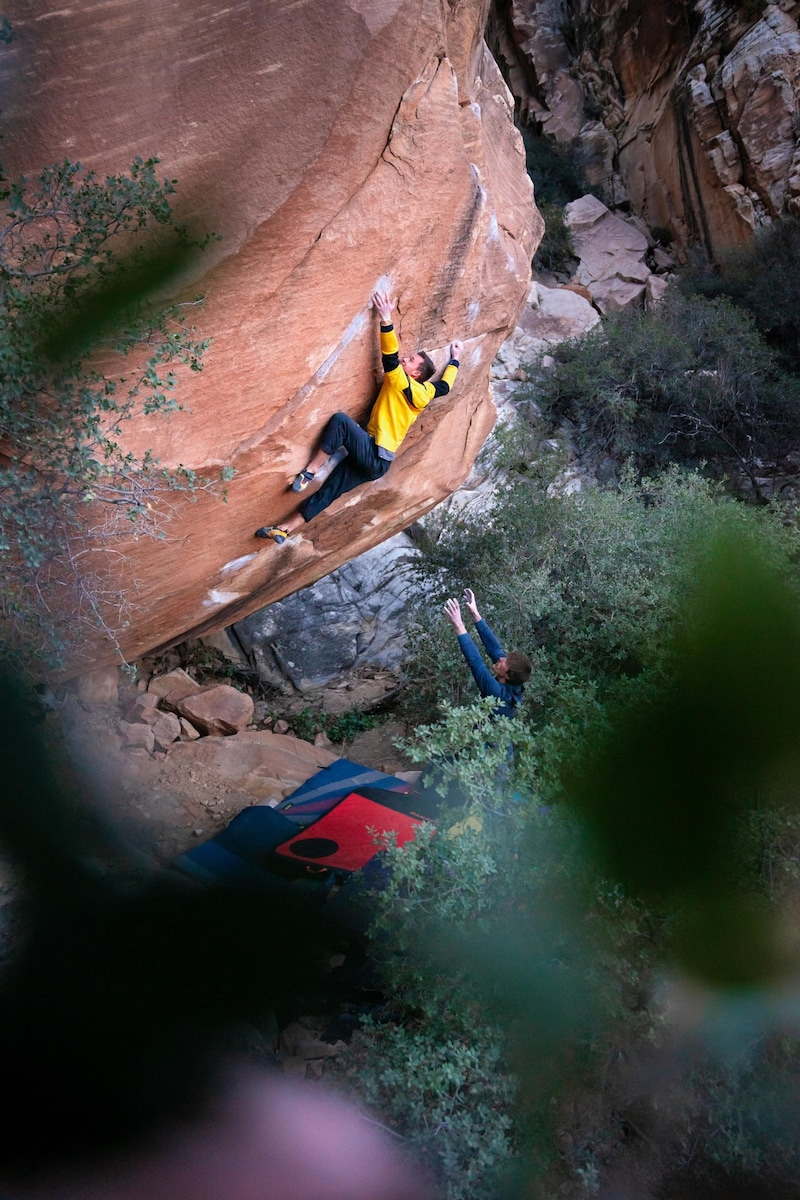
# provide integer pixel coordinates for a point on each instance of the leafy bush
(556, 180)
(762, 278)
(342, 728)
(497, 991)
(692, 381)
(448, 1094)
(83, 349)
(345, 727)
(553, 168)
(742, 1109)
(434, 1068)
(466, 748)
(587, 585)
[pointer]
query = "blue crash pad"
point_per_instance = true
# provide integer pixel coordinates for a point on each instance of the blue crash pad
(319, 794)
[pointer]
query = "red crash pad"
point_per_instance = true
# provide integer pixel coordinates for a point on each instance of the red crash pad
(344, 838)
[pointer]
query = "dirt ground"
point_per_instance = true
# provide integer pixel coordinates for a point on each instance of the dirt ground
(156, 808)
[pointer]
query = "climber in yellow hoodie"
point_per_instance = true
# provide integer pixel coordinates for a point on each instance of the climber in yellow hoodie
(405, 392)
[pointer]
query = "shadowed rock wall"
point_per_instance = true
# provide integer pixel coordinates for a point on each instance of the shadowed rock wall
(334, 146)
(686, 110)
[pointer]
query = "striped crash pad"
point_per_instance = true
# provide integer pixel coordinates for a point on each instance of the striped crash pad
(323, 791)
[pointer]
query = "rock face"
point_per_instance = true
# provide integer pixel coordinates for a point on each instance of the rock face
(688, 111)
(551, 315)
(353, 617)
(334, 145)
(357, 615)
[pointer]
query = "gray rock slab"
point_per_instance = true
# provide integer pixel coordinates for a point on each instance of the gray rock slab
(352, 617)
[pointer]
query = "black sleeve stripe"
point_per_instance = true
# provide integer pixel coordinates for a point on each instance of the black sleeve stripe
(391, 361)
(441, 388)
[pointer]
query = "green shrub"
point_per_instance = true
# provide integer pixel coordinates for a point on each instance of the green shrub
(538, 927)
(343, 728)
(449, 1096)
(741, 1110)
(434, 1068)
(691, 382)
(556, 180)
(498, 991)
(307, 723)
(762, 278)
(553, 168)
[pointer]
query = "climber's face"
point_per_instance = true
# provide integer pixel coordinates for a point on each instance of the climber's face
(412, 365)
(500, 669)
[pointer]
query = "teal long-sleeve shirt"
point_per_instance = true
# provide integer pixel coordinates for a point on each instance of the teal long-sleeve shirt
(509, 694)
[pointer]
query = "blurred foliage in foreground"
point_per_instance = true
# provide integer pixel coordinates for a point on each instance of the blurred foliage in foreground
(588, 969)
(124, 986)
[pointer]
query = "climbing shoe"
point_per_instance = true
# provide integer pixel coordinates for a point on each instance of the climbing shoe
(274, 532)
(302, 481)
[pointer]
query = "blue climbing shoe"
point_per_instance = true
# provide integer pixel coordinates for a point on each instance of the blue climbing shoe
(302, 481)
(273, 532)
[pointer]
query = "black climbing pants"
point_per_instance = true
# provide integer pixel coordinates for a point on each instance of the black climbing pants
(363, 463)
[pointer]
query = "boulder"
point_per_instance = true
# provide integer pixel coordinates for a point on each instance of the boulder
(175, 684)
(166, 730)
(188, 731)
(553, 314)
(98, 687)
(611, 252)
(137, 736)
(357, 615)
(218, 710)
(265, 764)
(144, 709)
(578, 288)
(333, 146)
(655, 289)
(559, 314)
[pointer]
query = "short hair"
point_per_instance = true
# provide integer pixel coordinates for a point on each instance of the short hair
(428, 367)
(518, 667)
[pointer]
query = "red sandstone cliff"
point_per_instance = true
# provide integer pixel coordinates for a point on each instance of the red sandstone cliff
(334, 145)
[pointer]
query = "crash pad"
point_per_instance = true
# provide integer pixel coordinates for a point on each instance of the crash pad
(320, 793)
(346, 837)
